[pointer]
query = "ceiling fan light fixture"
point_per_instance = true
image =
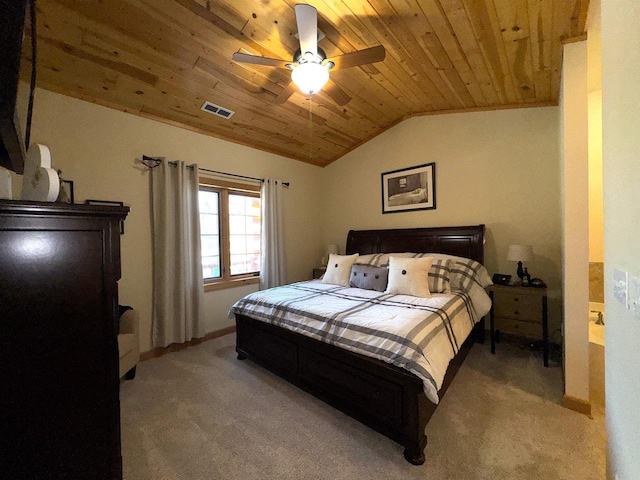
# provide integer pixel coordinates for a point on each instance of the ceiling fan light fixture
(310, 77)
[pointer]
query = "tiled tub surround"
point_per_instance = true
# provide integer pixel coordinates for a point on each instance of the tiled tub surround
(596, 282)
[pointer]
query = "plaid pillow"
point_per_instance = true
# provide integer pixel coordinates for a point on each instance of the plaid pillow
(466, 272)
(440, 276)
(382, 259)
(374, 260)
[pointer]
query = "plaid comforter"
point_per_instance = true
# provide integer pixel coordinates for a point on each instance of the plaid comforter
(421, 335)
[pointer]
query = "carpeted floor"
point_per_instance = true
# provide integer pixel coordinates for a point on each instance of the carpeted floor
(202, 414)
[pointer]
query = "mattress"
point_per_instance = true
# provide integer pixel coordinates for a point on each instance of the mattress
(421, 335)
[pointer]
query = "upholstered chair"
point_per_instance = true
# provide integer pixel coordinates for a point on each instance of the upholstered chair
(129, 343)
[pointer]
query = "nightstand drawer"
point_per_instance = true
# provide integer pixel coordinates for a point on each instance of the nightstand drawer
(520, 311)
(516, 327)
(518, 307)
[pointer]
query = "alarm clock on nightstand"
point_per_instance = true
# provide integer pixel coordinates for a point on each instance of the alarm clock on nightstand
(501, 279)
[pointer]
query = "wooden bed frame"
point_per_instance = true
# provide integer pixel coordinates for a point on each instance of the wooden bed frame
(388, 399)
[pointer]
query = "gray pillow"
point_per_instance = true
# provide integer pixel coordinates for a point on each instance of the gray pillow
(369, 278)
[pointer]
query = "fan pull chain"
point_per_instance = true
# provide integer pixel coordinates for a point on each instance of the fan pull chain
(310, 130)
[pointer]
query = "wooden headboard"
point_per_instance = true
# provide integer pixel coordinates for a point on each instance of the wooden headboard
(461, 241)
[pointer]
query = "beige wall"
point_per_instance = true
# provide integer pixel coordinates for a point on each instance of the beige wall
(499, 168)
(594, 85)
(621, 161)
(596, 199)
(96, 147)
(575, 172)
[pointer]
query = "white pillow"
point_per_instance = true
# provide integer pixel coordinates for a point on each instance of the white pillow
(339, 269)
(409, 276)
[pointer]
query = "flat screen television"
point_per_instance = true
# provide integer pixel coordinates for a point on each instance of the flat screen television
(12, 32)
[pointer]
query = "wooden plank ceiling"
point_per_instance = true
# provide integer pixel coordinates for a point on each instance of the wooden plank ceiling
(162, 59)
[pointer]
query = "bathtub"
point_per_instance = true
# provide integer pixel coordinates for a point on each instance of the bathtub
(596, 333)
(596, 357)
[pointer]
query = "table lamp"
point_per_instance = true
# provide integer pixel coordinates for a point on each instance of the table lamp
(520, 253)
(333, 248)
(330, 249)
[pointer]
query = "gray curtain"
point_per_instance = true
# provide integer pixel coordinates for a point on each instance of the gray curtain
(178, 314)
(272, 264)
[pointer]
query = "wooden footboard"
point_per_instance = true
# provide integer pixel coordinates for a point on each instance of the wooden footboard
(384, 397)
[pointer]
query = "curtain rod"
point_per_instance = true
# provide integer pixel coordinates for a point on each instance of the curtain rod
(286, 184)
(152, 162)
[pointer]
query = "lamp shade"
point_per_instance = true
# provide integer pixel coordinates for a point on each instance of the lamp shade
(310, 77)
(520, 253)
(333, 249)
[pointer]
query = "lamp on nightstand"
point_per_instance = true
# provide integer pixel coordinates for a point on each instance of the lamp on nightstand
(520, 253)
(330, 249)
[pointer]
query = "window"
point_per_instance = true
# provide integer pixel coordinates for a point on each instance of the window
(230, 233)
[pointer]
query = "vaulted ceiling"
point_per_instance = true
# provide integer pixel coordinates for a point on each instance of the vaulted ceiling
(162, 59)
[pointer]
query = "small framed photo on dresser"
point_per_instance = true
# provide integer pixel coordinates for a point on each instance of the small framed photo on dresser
(66, 192)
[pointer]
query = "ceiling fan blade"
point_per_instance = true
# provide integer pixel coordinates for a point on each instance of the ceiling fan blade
(256, 60)
(336, 93)
(359, 57)
(307, 18)
(286, 93)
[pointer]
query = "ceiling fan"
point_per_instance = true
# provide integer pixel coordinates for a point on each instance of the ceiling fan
(310, 66)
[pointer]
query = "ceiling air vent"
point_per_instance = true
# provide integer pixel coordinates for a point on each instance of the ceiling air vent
(217, 110)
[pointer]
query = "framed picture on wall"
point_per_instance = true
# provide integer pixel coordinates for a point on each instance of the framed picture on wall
(407, 189)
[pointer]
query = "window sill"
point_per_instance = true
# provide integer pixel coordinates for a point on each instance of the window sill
(239, 282)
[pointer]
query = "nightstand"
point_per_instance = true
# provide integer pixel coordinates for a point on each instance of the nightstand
(318, 272)
(520, 311)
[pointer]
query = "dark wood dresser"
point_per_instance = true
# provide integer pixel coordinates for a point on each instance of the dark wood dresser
(59, 385)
